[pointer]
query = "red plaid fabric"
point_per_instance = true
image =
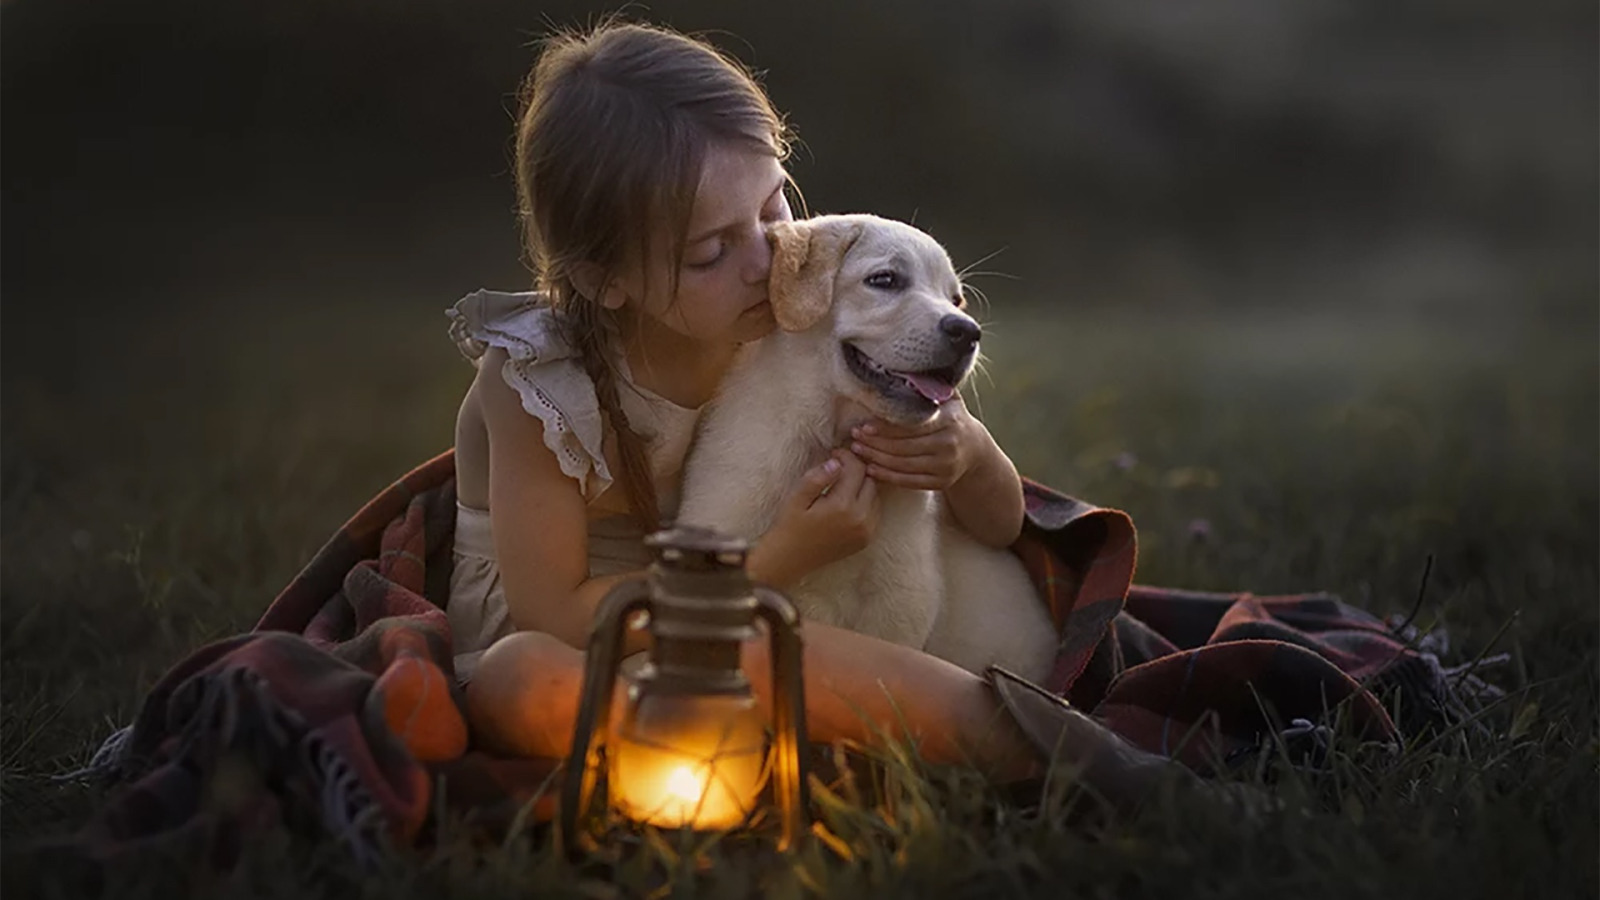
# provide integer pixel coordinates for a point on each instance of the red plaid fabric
(1194, 675)
(340, 712)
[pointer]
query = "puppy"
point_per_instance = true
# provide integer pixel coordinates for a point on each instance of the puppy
(869, 325)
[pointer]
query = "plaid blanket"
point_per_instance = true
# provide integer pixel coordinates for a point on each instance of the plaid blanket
(340, 712)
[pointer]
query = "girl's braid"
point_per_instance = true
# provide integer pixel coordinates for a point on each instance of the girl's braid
(591, 340)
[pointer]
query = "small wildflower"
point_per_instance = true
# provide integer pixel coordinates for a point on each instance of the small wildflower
(1199, 530)
(1125, 461)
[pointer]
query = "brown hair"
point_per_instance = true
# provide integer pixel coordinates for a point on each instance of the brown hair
(615, 125)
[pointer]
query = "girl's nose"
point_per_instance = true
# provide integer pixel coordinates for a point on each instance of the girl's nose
(758, 264)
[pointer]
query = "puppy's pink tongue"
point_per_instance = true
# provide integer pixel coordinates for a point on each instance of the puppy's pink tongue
(932, 388)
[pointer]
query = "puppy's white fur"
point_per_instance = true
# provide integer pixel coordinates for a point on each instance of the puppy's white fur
(794, 396)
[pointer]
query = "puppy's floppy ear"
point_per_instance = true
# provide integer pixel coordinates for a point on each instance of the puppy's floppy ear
(805, 262)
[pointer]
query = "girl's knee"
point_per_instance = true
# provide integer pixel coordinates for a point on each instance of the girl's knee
(527, 653)
(523, 697)
(525, 664)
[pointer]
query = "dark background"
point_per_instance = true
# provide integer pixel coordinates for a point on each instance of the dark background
(1309, 288)
(1435, 158)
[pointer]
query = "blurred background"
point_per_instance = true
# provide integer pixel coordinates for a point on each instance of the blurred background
(1309, 288)
(1436, 157)
(230, 230)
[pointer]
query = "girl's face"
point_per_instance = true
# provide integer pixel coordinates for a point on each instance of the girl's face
(722, 277)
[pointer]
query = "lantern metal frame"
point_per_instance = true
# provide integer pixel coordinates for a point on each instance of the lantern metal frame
(702, 606)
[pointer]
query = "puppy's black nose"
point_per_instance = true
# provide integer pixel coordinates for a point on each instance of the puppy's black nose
(962, 331)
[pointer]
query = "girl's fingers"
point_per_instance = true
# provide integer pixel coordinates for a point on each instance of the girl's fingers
(919, 482)
(890, 431)
(816, 482)
(912, 446)
(925, 463)
(852, 471)
(869, 490)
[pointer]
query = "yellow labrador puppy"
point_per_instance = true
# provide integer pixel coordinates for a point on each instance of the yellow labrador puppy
(869, 325)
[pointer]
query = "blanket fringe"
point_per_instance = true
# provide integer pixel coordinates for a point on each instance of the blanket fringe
(234, 711)
(1447, 695)
(107, 764)
(349, 813)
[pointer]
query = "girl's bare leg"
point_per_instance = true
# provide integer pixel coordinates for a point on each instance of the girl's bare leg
(523, 698)
(864, 689)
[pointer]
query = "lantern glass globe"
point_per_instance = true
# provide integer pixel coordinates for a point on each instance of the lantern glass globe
(687, 760)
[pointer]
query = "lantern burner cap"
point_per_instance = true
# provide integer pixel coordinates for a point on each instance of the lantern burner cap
(697, 547)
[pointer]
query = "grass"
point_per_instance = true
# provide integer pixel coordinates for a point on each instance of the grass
(159, 488)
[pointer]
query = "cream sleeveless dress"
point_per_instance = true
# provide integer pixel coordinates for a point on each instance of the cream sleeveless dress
(548, 376)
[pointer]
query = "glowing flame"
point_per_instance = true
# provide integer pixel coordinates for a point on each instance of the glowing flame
(684, 785)
(689, 761)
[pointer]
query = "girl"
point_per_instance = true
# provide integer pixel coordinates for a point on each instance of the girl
(648, 165)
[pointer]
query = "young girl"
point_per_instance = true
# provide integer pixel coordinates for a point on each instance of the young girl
(648, 166)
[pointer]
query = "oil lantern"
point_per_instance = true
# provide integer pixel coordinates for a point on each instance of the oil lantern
(691, 748)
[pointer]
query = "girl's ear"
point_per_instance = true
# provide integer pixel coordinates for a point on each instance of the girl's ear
(805, 261)
(588, 278)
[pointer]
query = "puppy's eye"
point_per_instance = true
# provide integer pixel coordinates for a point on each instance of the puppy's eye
(960, 300)
(887, 280)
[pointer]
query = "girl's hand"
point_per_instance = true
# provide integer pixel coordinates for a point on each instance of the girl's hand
(932, 456)
(830, 514)
(953, 453)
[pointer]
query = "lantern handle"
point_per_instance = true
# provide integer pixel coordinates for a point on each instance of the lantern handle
(790, 775)
(592, 729)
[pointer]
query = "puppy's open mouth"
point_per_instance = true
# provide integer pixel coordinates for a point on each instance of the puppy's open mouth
(934, 385)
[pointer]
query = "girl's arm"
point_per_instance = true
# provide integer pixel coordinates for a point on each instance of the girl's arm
(539, 518)
(541, 529)
(541, 522)
(987, 499)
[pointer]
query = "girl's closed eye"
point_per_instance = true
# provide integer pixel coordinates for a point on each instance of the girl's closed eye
(704, 255)
(708, 253)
